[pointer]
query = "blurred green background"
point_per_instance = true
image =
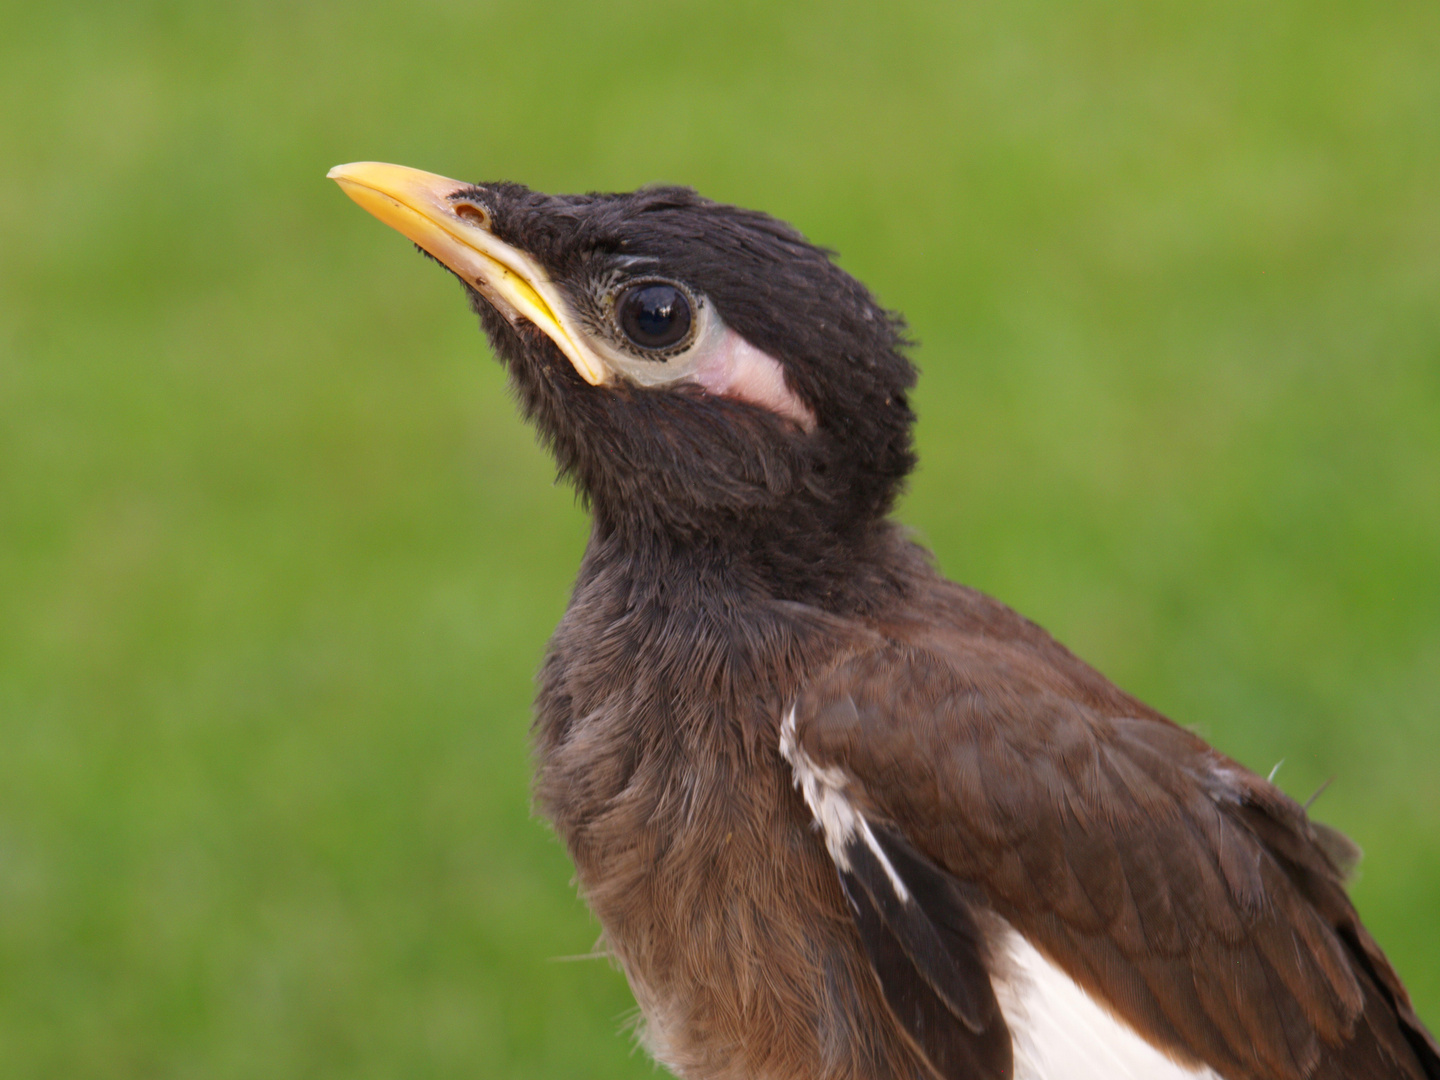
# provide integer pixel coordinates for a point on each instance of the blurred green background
(277, 559)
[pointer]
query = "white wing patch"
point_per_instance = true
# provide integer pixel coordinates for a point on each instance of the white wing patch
(1059, 1031)
(835, 814)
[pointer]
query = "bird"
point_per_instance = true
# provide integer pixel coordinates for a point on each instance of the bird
(840, 818)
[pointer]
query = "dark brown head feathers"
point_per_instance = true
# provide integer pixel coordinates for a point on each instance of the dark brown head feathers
(686, 466)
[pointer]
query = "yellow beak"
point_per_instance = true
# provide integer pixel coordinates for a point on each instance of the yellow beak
(417, 204)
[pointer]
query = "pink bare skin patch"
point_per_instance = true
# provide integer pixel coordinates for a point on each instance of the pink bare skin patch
(736, 369)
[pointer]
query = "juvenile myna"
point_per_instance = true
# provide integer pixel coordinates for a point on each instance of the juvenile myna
(840, 818)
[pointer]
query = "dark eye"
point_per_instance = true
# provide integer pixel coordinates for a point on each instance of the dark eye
(654, 315)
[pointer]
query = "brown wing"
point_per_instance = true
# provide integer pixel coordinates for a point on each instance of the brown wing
(1192, 897)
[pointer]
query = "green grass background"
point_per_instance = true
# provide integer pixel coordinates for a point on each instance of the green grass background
(277, 559)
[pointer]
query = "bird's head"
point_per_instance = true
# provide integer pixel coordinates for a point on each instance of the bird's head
(702, 372)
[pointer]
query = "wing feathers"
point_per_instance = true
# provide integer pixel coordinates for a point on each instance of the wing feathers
(916, 927)
(952, 1051)
(1192, 897)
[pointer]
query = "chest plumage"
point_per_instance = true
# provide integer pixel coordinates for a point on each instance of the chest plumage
(690, 841)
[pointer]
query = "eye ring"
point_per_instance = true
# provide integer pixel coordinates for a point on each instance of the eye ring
(655, 316)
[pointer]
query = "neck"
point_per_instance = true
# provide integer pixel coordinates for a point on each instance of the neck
(854, 571)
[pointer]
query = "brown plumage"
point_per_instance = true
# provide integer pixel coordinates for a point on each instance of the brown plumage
(1189, 894)
(839, 817)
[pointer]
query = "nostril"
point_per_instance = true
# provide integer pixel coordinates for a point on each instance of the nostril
(473, 213)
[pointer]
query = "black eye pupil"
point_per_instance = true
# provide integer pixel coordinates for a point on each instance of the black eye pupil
(655, 316)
